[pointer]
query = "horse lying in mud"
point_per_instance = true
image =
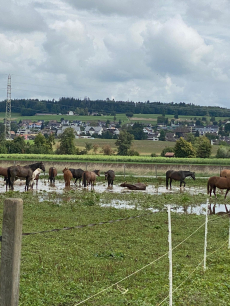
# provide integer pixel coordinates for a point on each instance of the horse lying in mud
(136, 186)
(52, 175)
(110, 176)
(67, 176)
(89, 177)
(77, 174)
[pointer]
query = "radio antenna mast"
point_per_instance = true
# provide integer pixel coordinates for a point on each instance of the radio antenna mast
(8, 110)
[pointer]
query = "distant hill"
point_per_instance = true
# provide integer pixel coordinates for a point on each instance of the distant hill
(29, 107)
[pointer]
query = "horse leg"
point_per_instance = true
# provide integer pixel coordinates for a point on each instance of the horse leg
(226, 193)
(227, 211)
(214, 190)
(170, 183)
(167, 182)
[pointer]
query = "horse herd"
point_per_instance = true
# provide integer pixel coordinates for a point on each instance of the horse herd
(30, 173)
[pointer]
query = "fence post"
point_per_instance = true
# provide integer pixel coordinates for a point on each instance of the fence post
(156, 170)
(124, 171)
(11, 252)
(205, 235)
(86, 164)
(170, 254)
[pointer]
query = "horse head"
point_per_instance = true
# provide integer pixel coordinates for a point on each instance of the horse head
(193, 175)
(106, 175)
(42, 167)
(97, 172)
(65, 169)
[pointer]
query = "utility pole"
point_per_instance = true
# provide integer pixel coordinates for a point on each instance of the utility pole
(8, 110)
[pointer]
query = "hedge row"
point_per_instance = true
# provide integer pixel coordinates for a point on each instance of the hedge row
(116, 159)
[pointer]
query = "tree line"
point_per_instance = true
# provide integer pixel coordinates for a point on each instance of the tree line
(29, 107)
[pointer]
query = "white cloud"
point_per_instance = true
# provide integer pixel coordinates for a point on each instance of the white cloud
(165, 51)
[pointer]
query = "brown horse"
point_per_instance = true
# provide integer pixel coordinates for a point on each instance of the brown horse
(89, 177)
(137, 186)
(219, 182)
(15, 172)
(3, 172)
(67, 176)
(52, 174)
(225, 173)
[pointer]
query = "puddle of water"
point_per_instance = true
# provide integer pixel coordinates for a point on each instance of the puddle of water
(59, 188)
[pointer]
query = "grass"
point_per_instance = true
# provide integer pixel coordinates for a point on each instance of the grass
(65, 267)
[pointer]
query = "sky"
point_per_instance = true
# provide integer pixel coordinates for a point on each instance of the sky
(126, 50)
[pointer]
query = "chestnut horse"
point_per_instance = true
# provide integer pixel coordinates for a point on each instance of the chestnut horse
(219, 182)
(225, 173)
(52, 174)
(89, 177)
(67, 176)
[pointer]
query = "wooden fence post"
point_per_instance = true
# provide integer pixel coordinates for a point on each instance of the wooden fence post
(11, 252)
(156, 170)
(124, 171)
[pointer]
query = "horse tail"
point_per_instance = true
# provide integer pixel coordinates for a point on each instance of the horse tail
(84, 179)
(167, 182)
(208, 185)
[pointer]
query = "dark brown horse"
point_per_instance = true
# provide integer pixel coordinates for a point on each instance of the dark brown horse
(178, 176)
(15, 172)
(67, 176)
(77, 174)
(219, 182)
(52, 175)
(3, 172)
(136, 186)
(89, 177)
(110, 176)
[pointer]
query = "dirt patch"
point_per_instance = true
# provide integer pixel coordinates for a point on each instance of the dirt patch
(146, 119)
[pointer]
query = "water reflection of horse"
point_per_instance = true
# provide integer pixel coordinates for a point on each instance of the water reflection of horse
(77, 174)
(110, 176)
(67, 176)
(178, 176)
(25, 172)
(52, 175)
(89, 177)
(219, 182)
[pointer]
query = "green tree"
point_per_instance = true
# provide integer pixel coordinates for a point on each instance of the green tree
(227, 128)
(124, 142)
(162, 135)
(67, 142)
(223, 152)
(137, 131)
(203, 147)
(17, 145)
(167, 149)
(88, 146)
(42, 145)
(184, 148)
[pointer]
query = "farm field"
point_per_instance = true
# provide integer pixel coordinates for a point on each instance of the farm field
(18, 117)
(142, 118)
(127, 259)
(144, 147)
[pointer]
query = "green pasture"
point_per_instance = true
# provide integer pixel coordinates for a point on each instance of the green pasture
(143, 118)
(127, 260)
(18, 117)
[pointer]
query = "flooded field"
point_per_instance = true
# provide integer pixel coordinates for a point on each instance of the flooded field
(55, 192)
